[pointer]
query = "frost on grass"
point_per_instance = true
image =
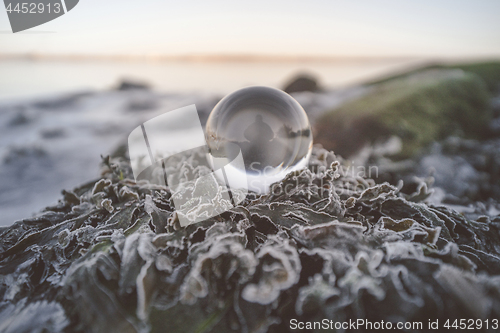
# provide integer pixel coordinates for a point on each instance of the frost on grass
(112, 257)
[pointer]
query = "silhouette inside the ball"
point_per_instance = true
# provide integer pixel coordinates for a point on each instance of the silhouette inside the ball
(270, 128)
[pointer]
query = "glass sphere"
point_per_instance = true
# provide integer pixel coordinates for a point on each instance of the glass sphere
(268, 126)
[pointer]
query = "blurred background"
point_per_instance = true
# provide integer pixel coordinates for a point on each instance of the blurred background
(411, 87)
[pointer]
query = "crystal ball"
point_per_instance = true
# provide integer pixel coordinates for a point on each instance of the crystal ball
(268, 127)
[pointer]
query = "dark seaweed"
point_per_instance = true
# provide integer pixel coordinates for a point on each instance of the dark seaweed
(112, 257)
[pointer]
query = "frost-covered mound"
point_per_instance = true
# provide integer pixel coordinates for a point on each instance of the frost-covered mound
(111, 257)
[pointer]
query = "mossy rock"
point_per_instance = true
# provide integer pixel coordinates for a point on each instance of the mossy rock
(419, 109)
(489, 72)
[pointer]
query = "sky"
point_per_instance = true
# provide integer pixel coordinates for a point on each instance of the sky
(365, 28)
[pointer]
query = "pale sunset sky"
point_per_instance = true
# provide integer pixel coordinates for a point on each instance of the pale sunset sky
(428, 28)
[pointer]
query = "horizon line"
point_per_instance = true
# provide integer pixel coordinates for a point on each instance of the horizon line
(224, 57)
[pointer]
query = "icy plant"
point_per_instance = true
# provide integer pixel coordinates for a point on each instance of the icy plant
(112, 257)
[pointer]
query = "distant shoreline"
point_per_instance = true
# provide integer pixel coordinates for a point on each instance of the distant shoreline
(221, 58)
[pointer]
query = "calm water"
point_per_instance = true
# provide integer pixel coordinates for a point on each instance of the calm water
(27, 78)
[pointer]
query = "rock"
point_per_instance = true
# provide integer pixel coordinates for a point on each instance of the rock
(302, 82)
(66, 101)
(52, 133)
(145, 103)
(132, 85)
(21, 117)
(419, 109)
(489, 72)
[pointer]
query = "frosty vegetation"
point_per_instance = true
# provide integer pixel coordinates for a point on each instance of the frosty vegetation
(112, 257)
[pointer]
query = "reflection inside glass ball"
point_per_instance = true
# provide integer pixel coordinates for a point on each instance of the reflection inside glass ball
(269, 127)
